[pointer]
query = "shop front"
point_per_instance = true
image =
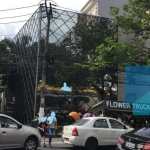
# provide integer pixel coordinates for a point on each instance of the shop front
(121, 111)
(112, 108)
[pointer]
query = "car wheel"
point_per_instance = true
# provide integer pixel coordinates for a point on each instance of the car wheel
(31, 144)
(91, 144)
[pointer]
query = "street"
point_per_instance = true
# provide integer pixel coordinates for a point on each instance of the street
(60, 146)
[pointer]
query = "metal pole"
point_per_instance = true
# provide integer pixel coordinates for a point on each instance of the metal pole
(42, 103)
(37, 64)
(3, 103)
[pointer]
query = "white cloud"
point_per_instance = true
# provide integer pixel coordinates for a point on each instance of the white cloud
(12, 29)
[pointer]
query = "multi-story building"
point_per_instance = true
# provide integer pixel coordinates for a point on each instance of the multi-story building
(91, 7)
(101, 8)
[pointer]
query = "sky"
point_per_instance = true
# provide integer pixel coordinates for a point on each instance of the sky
(11, 29)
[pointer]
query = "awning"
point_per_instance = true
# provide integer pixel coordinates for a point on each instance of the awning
(121, 106)
(112, 105)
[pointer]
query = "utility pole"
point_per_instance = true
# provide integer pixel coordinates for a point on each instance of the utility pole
(37, 64)
(43, 89)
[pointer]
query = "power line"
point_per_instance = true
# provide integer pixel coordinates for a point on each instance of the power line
(26, 14)
(16, 16)
(18, 8)
(67, 9)
(18, 21)
(7, 34)
(14, 22)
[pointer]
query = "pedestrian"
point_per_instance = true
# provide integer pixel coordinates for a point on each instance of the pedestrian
(42, 129)
(51, 128)
(119, 118)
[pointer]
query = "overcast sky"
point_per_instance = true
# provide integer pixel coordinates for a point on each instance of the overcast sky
(11, 29)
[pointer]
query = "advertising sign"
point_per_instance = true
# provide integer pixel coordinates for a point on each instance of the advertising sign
(115, 105)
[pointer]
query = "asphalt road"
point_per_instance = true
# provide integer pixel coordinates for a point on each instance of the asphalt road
(62, 146)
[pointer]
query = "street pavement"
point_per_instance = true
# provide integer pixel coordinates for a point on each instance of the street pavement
(62, 146)
(57, 144)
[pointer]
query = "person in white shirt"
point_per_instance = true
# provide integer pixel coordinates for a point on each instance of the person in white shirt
(101, 115)
(51, 128)
(119, 118)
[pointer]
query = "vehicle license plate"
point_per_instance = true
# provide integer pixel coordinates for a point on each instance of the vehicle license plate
(130, 145)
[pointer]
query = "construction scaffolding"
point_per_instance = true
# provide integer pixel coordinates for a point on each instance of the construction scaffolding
(68, 42)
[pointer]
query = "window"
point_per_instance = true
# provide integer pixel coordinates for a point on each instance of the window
(115, 124)
(101, 123)
(81, 122)
(8, 123)
(144, 132)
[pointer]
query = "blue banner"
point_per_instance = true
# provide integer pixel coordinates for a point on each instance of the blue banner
(137, 89)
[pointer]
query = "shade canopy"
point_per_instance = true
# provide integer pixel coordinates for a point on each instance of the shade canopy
(75, 116)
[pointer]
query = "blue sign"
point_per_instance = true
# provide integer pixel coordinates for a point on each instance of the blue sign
(66, 88)
(137, 89)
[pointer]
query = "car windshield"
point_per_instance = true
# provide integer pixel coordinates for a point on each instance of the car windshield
(144, 132)
(81, 122)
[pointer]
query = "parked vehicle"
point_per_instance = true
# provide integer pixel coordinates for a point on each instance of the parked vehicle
(15, 135)
(92, 132)
(135, 140)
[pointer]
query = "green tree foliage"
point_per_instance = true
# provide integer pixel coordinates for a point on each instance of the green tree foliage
(118, 50)
(135, 19)
(4, 59)
(63, 68)
(72, 66)
(92, 35)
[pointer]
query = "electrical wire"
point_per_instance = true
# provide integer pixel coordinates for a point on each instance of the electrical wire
(16, 16)
(25, 14)
(14, 22)
(7, 34)
(18, 8)
(18, 21)
(64, 8)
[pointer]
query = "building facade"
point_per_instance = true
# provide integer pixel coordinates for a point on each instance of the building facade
(91, 8)
(101, 8)
(66, 30)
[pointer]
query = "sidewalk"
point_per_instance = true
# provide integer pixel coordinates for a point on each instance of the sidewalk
(54, 139)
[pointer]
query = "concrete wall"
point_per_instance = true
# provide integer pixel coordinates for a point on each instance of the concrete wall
(104, 7)
(94, 10)
(91, 8)
(121, 75)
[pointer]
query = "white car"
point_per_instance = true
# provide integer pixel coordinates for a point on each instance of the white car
(93, 132)
(15, 135)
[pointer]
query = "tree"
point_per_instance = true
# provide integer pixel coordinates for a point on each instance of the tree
(4, 60)
(135, 19)
(133, 22)
(93, 34)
